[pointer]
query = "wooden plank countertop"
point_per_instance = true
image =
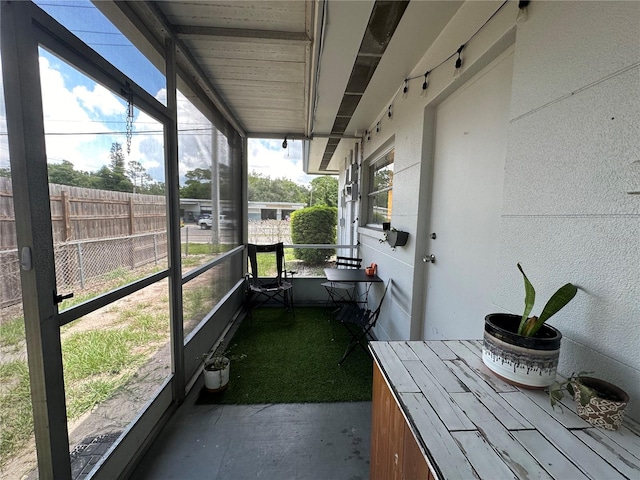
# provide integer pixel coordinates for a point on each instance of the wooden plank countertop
(470, 424)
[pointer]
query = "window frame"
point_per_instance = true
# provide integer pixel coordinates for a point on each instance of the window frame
(380, 160)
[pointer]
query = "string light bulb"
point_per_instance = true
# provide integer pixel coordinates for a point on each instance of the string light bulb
(425, 84)
(390, 111)
(378, 127)
(284, 143)
(458, 61)
(406, 86)
(523, 11)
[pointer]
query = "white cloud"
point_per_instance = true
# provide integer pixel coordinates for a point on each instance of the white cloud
(268, 158)
(90, 118)
(68, 125)
(99, 100)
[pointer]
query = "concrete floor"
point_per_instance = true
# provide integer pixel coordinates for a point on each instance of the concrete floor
(327, 441)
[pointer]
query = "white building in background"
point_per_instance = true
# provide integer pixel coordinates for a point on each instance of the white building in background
(191, 208)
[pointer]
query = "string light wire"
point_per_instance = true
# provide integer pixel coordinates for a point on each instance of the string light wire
(458, 52)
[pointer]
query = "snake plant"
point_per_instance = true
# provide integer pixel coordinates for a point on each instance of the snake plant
(529, 326)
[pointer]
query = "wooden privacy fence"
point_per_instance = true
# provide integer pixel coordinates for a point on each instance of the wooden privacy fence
(95, 232)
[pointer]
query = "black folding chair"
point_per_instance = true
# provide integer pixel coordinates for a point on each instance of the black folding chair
(262, 288)
(359, 322)
(343, 292)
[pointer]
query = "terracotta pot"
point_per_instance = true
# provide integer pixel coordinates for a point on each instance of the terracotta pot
(529, 362)
(605, 410)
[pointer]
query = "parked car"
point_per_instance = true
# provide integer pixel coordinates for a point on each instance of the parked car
(205, 222)
(225, 222)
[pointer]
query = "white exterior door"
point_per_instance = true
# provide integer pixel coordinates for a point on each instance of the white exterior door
(469, 157)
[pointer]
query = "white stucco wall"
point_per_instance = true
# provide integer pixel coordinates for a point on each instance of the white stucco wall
(567, 216)
(401, 316)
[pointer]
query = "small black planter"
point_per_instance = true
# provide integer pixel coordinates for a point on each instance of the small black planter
(524, 361)
(397, 238)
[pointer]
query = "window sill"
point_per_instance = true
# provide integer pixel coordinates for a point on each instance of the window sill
(376, 233)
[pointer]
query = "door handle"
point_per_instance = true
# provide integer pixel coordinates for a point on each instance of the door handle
(59, 298)
(429, 259)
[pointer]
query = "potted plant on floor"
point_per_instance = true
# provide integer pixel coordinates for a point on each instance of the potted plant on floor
(216, 369)
(600, 403)
(523, 350)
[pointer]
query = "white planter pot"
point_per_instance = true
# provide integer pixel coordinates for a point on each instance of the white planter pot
(529, 362)
(216, 380)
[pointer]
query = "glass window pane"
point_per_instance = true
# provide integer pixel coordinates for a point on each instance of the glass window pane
(229, 179)
(209, 184)
(202, 294)
(114, 359)
(17, 448)
(86, 22)
(106, 188)
(380, 205)
(380, 189)
(382, 173)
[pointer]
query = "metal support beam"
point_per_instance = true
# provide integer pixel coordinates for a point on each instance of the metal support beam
(172, 176)
(293, 136)
(25, 125)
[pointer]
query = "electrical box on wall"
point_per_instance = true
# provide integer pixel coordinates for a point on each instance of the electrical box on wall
(351, 191)
(353, 173)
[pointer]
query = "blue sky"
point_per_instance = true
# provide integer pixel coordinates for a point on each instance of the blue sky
(83, 119)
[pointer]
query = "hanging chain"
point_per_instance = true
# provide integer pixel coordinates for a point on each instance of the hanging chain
(129, 117)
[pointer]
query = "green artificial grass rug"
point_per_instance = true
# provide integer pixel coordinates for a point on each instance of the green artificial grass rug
(289, 359)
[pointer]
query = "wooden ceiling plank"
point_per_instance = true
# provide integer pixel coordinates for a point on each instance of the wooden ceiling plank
(247, 51)
(241, 34)
(272, 15)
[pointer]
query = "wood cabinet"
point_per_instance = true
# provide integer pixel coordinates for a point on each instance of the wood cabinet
(395, 454)
(439, 413)
(414, 466)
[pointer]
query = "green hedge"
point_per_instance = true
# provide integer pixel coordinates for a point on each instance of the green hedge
(314, 225)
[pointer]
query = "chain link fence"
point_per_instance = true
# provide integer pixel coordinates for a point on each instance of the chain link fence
(270, 231)
(10, 288)
(85, 263)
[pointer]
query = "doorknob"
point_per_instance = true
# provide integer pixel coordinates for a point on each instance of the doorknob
(429, 259)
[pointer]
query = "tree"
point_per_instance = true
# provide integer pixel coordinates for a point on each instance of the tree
(114, 176)
(314, 225)
(155, 188)
(138, 176)
(116, 158)
(197, 184)
(324, 191)
(65, 174)
(262, 188)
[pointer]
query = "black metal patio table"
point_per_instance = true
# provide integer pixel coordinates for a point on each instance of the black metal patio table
(355, 275)
(351, 275)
